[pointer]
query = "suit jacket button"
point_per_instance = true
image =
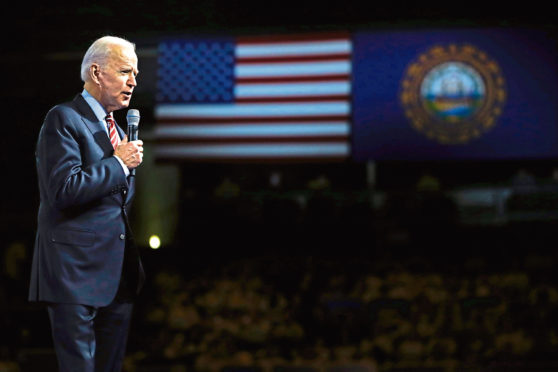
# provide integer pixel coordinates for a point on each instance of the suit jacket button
(122, 236)
(124, 192)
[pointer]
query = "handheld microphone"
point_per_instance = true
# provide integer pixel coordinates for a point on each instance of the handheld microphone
(133, 118)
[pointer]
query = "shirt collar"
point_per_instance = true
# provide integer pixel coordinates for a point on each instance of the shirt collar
(97, 108)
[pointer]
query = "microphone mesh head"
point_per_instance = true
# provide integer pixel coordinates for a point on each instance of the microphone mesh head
(133, 117)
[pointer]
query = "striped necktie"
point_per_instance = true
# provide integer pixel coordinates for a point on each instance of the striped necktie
(113, 134)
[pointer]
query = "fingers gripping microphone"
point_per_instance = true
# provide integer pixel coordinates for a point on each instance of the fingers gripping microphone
(133, 118)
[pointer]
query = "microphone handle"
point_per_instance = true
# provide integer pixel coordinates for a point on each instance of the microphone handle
(132, 136)
(132, 132)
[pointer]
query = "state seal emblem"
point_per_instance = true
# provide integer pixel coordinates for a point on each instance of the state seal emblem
(453, 94)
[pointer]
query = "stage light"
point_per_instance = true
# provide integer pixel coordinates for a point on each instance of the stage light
(154, 242)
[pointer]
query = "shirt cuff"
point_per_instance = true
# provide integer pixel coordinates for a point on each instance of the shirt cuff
(124, 167)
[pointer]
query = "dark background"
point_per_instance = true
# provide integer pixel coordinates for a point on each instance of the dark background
(43, 42)
(41, 45)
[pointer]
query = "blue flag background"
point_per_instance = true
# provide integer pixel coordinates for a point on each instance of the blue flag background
(527, 127)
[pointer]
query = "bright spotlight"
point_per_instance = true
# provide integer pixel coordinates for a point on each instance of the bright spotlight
(154, 242)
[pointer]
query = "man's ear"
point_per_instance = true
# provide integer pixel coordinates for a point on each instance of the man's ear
(94, 72)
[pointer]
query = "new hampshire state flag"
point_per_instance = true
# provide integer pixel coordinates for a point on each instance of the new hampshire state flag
(454, 94)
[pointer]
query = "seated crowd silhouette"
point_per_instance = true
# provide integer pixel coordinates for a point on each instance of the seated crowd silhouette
(302, 314)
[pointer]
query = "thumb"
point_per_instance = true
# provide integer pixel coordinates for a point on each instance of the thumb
(125, 139)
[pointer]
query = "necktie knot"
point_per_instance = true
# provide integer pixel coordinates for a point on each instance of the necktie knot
(113, 134)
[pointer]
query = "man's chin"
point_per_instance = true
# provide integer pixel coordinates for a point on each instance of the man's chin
(123, 105)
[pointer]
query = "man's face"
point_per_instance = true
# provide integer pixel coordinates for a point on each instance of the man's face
(117, 79)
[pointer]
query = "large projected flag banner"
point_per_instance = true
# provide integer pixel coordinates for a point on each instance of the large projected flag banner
(382, 95)
(278, 98)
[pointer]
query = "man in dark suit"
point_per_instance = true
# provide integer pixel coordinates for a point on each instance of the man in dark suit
(86, 267)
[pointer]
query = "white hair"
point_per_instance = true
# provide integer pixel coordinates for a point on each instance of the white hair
(100, 51)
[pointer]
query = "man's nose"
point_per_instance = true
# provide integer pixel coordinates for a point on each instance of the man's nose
(132, 80)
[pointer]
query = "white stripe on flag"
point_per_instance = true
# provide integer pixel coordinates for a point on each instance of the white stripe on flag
(252, 130)
(253, 150)
(292, 89)
(311, 48)
(177, 111)
(314, 68)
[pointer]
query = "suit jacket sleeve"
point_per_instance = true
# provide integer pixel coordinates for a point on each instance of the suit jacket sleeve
(70, 178)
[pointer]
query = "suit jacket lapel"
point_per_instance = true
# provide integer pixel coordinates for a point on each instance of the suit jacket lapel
(97, 129)
(95, 126)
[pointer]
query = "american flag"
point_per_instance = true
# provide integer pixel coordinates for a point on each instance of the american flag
(257, 98)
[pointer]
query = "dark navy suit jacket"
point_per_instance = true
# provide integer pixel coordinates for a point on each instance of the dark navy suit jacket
(85, 197)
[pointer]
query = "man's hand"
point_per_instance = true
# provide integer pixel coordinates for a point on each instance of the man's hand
(131, 153)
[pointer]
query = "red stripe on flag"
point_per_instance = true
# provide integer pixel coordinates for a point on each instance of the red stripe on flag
(262, 139)
(294, 79)
(287, 59)
(293, 99)
(283, 60)
(248, 120)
